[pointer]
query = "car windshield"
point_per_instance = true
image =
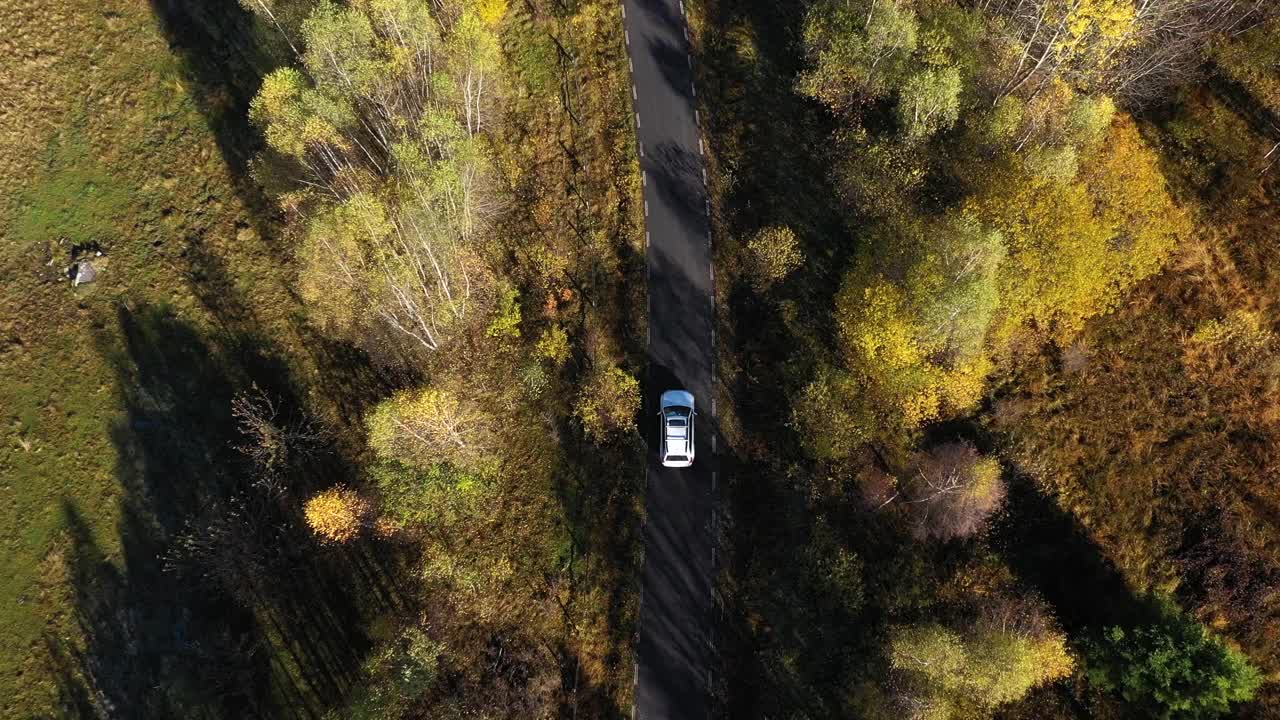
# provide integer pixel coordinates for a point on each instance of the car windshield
(677, 412)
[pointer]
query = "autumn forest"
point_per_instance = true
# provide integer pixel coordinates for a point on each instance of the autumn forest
(324, 378)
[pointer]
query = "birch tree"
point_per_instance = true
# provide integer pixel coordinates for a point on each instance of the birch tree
(966, 671)
(912, 319)
(1128, 48)
(953, 490)
(383, 127)
(430, 426)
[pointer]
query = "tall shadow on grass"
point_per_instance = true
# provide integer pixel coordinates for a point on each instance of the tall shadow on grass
(220, 604)
(595, 487)
(225, 55)
(226, 52)
(1050, 552)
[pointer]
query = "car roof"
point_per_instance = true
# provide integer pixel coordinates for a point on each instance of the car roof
(677, 398)
(677, 438)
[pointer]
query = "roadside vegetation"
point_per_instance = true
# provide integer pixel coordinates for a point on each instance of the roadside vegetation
(344, 427)
(998, 353)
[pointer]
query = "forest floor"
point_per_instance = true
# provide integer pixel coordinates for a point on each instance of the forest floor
(122, 129)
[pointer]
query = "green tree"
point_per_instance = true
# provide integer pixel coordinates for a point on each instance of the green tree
(396, 677)
(834, 418)
(1173, 669)
(929, 101)
(856, 49)
(435, 497)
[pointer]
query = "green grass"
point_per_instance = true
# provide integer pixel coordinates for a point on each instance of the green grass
(76, 197)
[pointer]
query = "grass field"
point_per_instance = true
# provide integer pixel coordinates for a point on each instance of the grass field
(122, 129)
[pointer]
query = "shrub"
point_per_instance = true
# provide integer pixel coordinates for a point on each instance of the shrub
(959, 673)
(337, 514)
(773, 254)
(554, 345)
(608, 404)
(398, 676)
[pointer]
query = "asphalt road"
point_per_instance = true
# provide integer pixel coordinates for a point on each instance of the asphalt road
(675, 658)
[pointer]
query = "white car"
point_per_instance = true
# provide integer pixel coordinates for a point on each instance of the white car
(676, 411)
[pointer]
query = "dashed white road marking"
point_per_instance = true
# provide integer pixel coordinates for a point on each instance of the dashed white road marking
(644, 182)
(713, 407)
(646, 208)
(641, 149)
(690, 59)
(693, 90)
(637, 121)
(631, 64)
(634, 96)
(624, 12)
(704, 176)
(646, 238)
(626, 34)
(713, 443)
(686, 34)
(682, 7)
(697, 119)
(712, 273)
(700, 150)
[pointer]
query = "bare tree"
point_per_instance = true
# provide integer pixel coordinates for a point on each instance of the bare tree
(1133, 56)
(1168, 39)
(272, 440)
(953, 490)
(231, 547)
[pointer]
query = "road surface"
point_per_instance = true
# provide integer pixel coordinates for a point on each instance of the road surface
(675, 658)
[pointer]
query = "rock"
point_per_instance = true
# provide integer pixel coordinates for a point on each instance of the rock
(83, 272)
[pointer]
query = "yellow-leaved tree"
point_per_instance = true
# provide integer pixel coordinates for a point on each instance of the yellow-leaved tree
(1077, 240)
(912, 317)
(337, 514)
(950, 673)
